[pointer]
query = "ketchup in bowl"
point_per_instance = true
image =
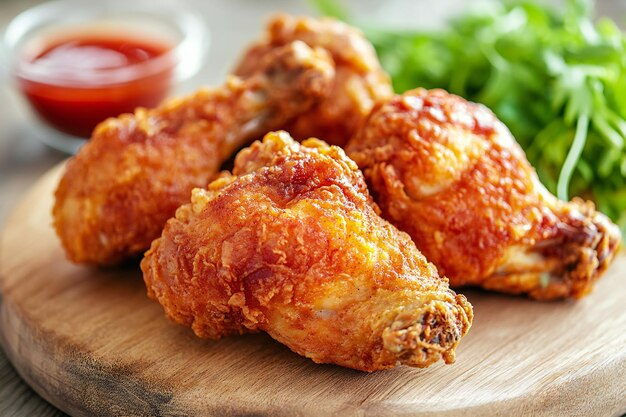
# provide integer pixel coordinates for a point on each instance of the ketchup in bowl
(77, 63)
(81, 78)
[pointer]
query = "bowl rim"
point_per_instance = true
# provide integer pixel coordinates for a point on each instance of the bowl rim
(185, 58)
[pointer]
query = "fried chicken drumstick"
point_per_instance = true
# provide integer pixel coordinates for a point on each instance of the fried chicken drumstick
(359, 82)
(292, 246)
(121, 188)
(450, 174)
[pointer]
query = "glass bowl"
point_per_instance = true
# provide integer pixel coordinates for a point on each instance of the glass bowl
(65, 105)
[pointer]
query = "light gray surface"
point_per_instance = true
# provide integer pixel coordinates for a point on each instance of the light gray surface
(233, 23)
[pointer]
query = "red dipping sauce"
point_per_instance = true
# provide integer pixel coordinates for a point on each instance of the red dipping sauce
(79, 79)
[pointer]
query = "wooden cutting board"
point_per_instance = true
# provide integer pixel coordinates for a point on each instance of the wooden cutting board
(92, 343)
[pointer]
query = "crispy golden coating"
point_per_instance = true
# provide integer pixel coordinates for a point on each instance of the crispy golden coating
(451, 175)
(359, 82)
(293, 247)
(121, 188)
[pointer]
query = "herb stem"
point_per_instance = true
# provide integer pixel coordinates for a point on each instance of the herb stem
(575, 151)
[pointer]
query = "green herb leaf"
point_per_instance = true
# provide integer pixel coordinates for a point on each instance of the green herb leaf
(553, 76)
(332, 8)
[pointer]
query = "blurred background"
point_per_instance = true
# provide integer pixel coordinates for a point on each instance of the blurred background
(232, 25)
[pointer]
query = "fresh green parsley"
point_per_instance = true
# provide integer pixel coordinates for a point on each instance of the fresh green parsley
(555, 77)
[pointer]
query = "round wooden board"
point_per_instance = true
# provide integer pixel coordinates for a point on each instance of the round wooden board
(92, 343)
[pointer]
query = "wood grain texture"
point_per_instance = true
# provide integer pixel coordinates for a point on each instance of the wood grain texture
(91, 343)
(17, 399)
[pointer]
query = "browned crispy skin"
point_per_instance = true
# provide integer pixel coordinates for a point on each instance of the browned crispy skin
(450, 174)
(121, 188)
(293, 247)
(359, 82)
